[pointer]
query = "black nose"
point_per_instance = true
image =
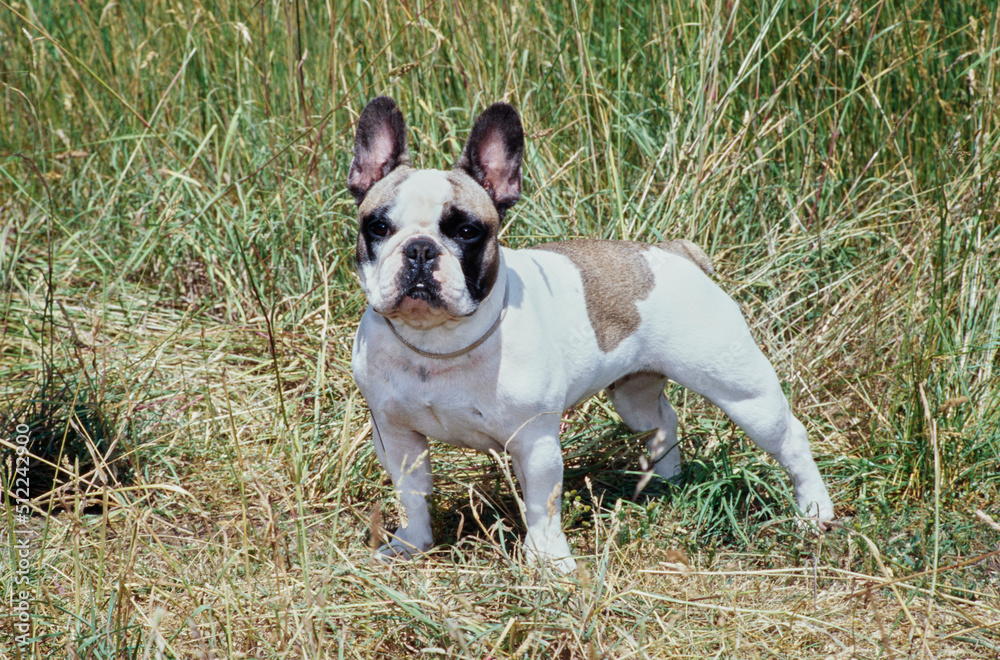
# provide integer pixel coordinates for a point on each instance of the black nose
(421, 251)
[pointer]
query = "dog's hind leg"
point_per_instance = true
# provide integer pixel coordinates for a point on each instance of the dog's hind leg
(768, 421)
(643, 406)
(747, 389)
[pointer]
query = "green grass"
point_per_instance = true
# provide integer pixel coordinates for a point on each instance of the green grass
(178, 301)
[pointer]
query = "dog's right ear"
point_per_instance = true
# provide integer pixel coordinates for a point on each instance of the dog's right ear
(379, 146)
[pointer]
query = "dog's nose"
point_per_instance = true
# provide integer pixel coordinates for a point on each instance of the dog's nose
(421, 251)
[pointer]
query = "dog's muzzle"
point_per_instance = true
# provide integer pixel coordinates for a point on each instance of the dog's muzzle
(417, 281)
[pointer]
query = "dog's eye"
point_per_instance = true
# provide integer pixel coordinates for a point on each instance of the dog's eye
(379, 228)
(469, 232)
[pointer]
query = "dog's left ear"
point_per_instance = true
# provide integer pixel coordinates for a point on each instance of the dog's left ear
(493, 153)
(379, 146)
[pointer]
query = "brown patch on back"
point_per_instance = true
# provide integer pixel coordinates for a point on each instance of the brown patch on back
(615, 277)
(691, 252)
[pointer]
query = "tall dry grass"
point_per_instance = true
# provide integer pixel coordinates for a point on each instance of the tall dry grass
(178, 305)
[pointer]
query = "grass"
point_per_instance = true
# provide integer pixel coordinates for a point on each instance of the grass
(178, 302)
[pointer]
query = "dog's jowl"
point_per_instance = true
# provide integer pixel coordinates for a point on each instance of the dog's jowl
(479, 346)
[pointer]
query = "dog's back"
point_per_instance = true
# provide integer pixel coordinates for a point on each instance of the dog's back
(690, 251)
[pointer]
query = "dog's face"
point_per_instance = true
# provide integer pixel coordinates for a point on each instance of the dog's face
(427, 248)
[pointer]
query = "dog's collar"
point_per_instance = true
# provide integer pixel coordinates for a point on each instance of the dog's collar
(461, 351)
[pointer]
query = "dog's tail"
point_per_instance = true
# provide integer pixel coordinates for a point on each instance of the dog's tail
(689, 251)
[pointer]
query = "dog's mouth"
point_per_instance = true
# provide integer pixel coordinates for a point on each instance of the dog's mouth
(417, 283)
(423, 291)
(419, 295)
(419, 299)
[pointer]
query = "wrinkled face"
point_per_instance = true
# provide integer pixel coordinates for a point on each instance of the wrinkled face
(427, 246)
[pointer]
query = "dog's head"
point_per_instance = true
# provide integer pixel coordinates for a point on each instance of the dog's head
(427, 247)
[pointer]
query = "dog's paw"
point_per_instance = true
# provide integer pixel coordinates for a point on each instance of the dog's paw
(398, 550)
(562, 565)
(816, 507)
(816, 524)
(565, 565)
(818, 517)
(554, 554)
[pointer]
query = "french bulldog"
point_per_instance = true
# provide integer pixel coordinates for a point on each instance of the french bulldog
(480, 346)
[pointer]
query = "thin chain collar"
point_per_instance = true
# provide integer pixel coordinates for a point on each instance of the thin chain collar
(461, 351)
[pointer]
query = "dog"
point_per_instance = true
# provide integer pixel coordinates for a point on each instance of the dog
(480, 346)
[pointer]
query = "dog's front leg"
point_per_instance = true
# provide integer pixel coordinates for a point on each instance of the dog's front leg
(538, 464)
(405, 456)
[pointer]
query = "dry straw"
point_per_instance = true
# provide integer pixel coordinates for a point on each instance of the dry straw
(178, 304)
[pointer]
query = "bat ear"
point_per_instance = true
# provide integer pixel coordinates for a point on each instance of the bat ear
(379, 146)
(493, 154)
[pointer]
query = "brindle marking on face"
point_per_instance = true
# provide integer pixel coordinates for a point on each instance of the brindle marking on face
(615, 277)
(379, 200)
(480, 262)
(471, 197)
(384, 192)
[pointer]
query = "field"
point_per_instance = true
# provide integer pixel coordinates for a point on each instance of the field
(188, 463)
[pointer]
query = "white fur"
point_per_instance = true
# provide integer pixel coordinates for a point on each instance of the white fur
(509, 393)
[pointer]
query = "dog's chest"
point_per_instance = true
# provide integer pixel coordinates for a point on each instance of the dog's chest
(453, 406)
